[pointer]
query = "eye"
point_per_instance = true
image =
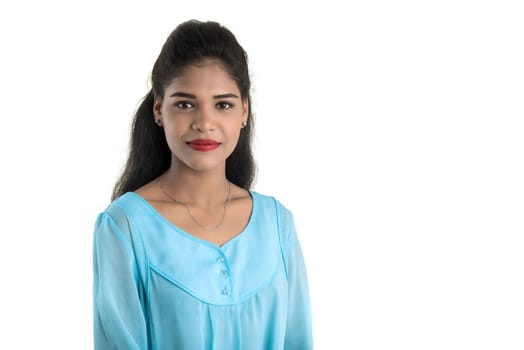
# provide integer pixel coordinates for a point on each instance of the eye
(183, 104)
(224, 105)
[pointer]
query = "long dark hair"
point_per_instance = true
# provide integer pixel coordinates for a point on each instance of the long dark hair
(149, 155)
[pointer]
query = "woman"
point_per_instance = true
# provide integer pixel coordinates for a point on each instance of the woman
(187, 256)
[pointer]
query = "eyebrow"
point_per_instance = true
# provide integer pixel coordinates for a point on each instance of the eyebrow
(186, 95)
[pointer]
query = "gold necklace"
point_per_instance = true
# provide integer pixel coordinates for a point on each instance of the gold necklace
(205, 227)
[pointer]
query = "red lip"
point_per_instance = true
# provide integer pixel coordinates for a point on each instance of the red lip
(203, 145)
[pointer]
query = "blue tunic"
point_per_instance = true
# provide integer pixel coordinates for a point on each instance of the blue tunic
(158, 287)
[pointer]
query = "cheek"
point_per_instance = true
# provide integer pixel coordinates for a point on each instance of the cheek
(234, 133)
(237, 139)
(174, 133)
(175, 125)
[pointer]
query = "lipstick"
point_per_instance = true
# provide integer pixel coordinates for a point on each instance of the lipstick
(203, 145)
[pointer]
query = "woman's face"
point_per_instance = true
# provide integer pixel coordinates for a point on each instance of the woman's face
(202, 114)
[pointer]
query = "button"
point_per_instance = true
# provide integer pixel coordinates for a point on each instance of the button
(225, 291)
(225, 273)
(220, 260)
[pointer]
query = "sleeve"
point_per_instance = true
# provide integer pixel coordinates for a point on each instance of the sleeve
(299, 325)
(119, 319)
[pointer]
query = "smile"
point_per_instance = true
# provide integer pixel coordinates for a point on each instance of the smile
(203, 145)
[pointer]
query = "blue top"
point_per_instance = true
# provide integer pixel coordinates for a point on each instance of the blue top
(158, 287)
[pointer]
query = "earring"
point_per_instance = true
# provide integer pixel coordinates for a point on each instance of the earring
(244, 124)
(158, 122)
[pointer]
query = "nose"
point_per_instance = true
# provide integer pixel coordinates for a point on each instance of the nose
(204, 120)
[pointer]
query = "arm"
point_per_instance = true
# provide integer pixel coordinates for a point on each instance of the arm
(299, 329)
(119, 321)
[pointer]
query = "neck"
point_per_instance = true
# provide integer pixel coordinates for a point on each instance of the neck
(203, 189)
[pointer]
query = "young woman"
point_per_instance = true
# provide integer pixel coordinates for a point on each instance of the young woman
(187, 256)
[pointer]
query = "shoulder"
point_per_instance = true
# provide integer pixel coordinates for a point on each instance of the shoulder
(122, 204)
(120, 211)
(269, 200)
(120, 223)
(273, 206)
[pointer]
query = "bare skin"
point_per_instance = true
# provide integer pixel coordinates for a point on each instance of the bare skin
(238, 212)
(194, 107)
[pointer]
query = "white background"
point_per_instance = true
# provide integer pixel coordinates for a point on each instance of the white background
(392, 130)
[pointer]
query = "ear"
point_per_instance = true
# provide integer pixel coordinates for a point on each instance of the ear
(245, 109)
(157, 109)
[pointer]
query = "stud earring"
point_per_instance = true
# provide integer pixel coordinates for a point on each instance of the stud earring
(244, 124)
(158, 122)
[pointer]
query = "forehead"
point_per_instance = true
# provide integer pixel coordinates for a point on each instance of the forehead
(205, 77)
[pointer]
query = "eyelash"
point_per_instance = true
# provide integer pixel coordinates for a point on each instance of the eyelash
(183, 104)
(187, 105)
(222, 103)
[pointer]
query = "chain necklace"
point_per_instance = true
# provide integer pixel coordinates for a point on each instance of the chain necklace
(205, 227)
